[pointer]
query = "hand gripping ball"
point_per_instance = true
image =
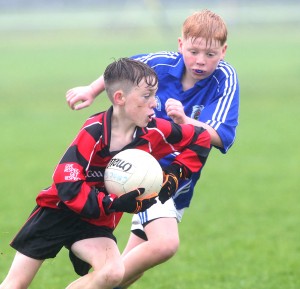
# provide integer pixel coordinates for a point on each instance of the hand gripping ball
(131, 169)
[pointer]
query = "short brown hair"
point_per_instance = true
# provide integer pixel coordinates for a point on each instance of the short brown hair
(205, 24)
(125, 73)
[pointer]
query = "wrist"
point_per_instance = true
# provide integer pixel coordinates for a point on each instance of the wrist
(107, 203)
(93, 91)
(175, 169)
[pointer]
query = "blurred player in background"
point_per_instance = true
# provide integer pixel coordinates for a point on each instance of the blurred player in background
(198, 87)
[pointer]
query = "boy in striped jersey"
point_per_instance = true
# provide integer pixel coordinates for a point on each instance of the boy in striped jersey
(76, 211)
(198, 87)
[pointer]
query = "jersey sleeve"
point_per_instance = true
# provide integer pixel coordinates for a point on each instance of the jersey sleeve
(223, 111)
(191, 145)
(194, 148)
(70, 174)
(158, 59)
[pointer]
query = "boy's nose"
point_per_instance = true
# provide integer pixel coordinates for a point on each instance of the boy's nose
(200, 60)
(153, 103)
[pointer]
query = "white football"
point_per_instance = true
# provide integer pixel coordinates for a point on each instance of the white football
(131, 169)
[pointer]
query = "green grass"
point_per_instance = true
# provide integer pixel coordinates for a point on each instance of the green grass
(242, 229)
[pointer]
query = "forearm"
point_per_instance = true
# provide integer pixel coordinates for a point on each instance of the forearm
(98, 86)
(215, 138)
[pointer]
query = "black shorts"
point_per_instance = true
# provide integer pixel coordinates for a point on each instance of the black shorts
(48, 230)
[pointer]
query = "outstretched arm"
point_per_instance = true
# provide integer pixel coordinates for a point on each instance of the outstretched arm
(83, 96)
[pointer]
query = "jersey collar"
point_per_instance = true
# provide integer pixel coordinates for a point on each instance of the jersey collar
(107, 128)
(178, 68)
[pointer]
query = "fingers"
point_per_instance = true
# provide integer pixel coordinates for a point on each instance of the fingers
(137, 192)
(69, 95)
(72, 97)
(69, 98)
(83, 95)
(169, 187)
(165, 179)
(172, 101)
(145, 204)
(140, 191)
(175, 110)
(152, 201)
(173, 104)
(82, 105)
(148, 203)
(162, 199)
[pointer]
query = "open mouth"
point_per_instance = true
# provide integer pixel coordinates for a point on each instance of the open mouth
(198, 71)
(150, 116)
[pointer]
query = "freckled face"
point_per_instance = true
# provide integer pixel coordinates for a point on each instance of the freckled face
(201, 58)
(140, 103)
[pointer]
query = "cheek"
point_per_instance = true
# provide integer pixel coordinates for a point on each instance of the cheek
(214, 63)
(188, 59)
(145, 102)
(141, 105)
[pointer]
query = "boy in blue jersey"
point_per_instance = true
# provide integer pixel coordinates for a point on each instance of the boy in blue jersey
(196, 86)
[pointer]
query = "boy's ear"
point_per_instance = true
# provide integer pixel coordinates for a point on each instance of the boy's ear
(224, 48)
(119, 97)
(179, 44)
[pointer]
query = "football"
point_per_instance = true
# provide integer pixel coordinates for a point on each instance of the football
(131, 169)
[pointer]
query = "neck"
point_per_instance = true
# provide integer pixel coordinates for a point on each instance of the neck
(187, 82)
(122, 131)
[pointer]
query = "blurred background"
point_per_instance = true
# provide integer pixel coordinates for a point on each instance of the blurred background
(242, 229)
(39, 14)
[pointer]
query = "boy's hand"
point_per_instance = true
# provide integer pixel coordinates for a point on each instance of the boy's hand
(83, 94)
(170, 184)
(175, 111)
(129, 204)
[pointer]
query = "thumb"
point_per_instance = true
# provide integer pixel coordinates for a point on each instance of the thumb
(152, 201)
(140, 191)
(81, 105)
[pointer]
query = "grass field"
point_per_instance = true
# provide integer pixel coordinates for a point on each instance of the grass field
(242, 229)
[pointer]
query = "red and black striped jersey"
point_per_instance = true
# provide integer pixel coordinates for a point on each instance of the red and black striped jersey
(78, 179)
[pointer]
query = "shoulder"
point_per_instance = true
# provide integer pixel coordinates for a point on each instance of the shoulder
(158, 122)
(95, 118)
(159, 126)
(158, 58)
(225, 69)
(93, 125)
(166, 127)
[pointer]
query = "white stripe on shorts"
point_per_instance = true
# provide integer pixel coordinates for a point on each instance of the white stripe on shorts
(158, 210)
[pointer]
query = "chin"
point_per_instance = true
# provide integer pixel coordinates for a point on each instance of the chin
(143, 124)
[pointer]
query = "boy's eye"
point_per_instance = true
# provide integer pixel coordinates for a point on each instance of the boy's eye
(211, 54)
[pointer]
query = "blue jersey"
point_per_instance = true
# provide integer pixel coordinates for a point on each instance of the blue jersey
(214, 100)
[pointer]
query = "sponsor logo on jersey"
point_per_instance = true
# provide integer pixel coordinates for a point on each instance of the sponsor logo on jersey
(94, 174)
(73, 176)
(158, 103)
(196, 111)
